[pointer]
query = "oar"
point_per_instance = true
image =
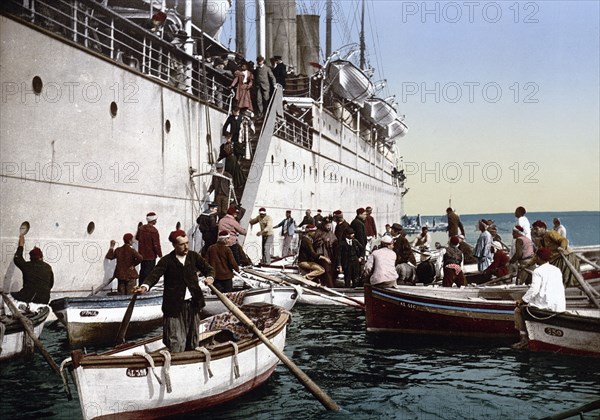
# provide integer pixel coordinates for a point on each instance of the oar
(29, 330)
(102, 286)
(125, 323)
(314, 389)
(304, 289)
(315, 284)
(497, 280)
(593, 264)
(586, 288)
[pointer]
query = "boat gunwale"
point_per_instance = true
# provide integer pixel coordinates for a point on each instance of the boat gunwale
(221, 350)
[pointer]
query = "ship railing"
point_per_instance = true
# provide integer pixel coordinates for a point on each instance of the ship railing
(95, 27)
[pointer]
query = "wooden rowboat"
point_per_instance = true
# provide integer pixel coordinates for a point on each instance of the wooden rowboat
(571, 332)
(448, 311)
(143, 380)
(95, 320)
(14, 339)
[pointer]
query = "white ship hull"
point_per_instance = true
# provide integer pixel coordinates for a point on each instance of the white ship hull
(82, 177)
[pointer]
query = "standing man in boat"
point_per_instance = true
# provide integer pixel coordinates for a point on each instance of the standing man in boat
(182, 296)
(220, 257)
(523, 221)
(207, 223)
(265, 223)
(318, 219)
(148, 245)
(265, 82)
(288, 230)
(406, 263)
(453, 265)
(562, 231)
(38, 279)
(351, 255)
(127, 258)
(546, 292)
(370, 225)
(230, 224)
(341, 226)
(483, 248)
(358, 224)
(523, 256)
(552, 240)
(455, 226)
(307, 220)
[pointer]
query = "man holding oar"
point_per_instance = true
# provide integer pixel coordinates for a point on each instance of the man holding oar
(182, 297)
(38, 278)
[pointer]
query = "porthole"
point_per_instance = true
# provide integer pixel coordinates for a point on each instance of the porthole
(285, 163)
(113, 109)
(178, 226)
(24, 228)
(91, 227)
(168, 126)
(37, 85)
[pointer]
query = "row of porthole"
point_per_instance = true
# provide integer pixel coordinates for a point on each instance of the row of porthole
(25, 226)
(332, 176)
(38, 85)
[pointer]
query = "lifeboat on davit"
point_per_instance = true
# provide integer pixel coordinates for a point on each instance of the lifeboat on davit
(348, 81)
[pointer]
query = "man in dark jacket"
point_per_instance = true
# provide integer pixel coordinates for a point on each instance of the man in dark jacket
(207, 223)
(264, 81)
(148, 245)
(351, 255)
(308, 259)
(127, 258)
(182, 296)
(220, 257)
(358, 224)
(38, 278)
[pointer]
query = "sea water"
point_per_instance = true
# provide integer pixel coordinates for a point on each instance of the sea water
(370, 376)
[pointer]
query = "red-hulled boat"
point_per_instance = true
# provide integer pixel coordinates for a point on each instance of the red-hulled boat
(472, 312)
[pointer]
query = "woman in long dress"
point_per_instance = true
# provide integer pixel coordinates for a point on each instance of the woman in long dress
(244, 79)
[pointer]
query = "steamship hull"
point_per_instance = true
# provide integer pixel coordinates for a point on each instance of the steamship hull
(90, 144)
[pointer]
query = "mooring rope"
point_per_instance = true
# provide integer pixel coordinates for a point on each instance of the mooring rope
(540, 318)
(150, 362)
(236, 366)
(166, 369)
(207, 362)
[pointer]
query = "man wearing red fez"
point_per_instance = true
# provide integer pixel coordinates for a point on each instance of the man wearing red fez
(453, 264)
(220, 257)
(38, 278)
(127, 258)
(546, 292)
(183, 299)
(148, 245)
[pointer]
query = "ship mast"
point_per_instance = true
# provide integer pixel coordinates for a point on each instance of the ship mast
(362, 37)
(328, 18)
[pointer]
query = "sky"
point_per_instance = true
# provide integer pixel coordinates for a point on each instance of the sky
(501, 98)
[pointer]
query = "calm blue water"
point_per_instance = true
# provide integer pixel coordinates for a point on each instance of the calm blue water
(370, 376)
(583, 227)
